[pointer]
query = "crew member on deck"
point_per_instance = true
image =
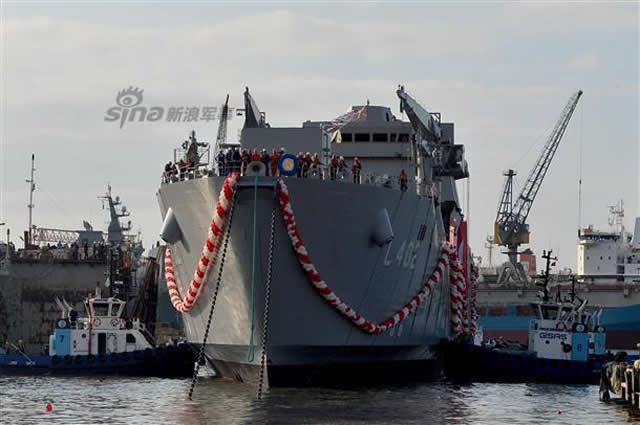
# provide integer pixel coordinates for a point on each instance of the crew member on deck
(342, 167)
(306, 164)
(355, 170)
(315, 165)
(275, 156)
(333, 164)
(228, 162)
(255, 156)
(266, 159)
(221, 160)
(404, 180)
(300, 157)
(237, 160)
(182, 166)
(167, 172)
(245, 157)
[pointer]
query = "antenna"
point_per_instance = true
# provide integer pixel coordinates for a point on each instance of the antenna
(32, 188)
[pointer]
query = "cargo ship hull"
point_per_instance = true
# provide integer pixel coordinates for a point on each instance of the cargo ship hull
(506, 313)
(309, 342)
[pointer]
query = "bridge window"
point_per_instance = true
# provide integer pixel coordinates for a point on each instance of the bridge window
(363, 137)
(347, 137)
(380, 137)
(404, 138)
(131, 339)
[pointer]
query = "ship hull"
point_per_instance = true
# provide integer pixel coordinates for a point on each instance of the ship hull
(308, 340)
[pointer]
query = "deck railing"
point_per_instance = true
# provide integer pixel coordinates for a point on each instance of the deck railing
(345, 175)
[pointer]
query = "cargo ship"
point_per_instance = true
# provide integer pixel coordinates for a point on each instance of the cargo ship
(607, 273)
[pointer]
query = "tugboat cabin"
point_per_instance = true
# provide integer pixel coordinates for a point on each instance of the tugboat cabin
(103, 331)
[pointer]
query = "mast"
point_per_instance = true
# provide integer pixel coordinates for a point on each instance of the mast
(32, 188)
(221, 138)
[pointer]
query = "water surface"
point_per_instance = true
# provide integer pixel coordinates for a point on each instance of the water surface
(116, 400)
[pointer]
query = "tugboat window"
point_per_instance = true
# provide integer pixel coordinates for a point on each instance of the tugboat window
(404, 138)
(363, 137)
(393, 138)
(380, 137)
(347, 137)
(100, 309)
(131, 339)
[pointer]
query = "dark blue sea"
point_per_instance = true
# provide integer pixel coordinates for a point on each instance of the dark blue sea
(113, 400)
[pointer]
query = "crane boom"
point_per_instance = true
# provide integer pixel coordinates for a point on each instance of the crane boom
(511, 229)
(221, 138)
(419, 117)
(538, 172)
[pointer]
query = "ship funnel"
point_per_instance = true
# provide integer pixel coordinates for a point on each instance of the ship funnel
(170, 231)
(636, 234)
(382, 230)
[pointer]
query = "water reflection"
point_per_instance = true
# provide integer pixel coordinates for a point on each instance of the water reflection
(163, 401)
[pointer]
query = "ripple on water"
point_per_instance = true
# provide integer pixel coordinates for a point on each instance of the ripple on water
(115, 400)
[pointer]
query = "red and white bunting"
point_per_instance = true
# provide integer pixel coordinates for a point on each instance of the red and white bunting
(325, 291)
(209, 254)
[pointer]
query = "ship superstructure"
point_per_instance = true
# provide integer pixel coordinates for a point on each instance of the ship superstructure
(354, 271)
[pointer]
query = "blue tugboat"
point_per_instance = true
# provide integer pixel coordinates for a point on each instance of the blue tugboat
(566, 345)
(102, 343)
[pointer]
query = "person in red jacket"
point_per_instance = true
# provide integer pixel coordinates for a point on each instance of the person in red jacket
(333, 166)
(355, 170)
(275, 157)
(255, 155)
(404, 180)
(315, 165)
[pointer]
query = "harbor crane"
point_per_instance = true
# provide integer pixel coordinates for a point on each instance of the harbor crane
(511, 229)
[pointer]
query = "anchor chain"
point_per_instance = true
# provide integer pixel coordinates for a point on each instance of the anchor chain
(267, 297)
(200, 360)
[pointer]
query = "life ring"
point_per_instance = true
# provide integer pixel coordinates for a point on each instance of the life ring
(561, 326)
(288, 165)
(115, 322)
(256, 168)
(579, 327)
(97, 322)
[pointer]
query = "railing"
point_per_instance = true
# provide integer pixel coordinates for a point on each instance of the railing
(344, 175)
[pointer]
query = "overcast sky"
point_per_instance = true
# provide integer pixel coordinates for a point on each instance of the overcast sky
(501, 72)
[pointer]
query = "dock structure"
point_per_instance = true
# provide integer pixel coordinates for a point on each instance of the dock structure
(623, 379)
(631, 386)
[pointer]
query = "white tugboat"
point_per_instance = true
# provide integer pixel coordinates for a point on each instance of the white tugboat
(566, 344)
(103, 342)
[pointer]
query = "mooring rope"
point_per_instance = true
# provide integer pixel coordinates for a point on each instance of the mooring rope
(200, 360)
(267, 298)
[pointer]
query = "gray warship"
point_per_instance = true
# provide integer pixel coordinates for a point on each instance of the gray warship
(373, 240)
